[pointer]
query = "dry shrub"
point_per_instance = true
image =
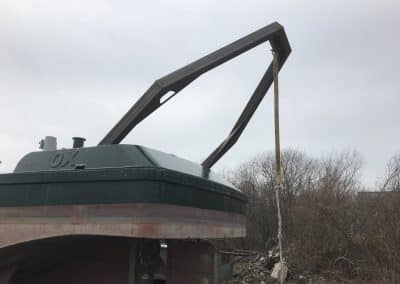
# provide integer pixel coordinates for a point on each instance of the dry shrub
(378, 234)
(330, 227)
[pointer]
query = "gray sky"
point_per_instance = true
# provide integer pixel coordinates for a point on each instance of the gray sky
(73, 68)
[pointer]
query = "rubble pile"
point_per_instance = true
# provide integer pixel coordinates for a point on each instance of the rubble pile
(255, 269)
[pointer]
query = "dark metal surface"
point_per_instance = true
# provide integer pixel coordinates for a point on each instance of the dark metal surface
(112, 156)
(78, 142)
(70, 259)
(117, 260)
(118, 185)
(191, 262)
(176, 81)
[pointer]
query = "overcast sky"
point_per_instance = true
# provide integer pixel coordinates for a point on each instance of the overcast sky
(73, 68)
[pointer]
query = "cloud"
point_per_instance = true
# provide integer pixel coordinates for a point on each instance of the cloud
(74, 68)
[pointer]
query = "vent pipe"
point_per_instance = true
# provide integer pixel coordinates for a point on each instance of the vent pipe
(78, 142)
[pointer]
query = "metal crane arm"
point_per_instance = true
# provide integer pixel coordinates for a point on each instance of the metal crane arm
(179, 79)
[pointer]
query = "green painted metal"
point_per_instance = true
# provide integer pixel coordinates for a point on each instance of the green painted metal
(116, 174)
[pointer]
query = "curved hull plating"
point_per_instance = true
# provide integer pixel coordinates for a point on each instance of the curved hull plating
(138, 220)
(117, 190)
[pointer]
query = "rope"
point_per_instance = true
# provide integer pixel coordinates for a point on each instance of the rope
(278, 176)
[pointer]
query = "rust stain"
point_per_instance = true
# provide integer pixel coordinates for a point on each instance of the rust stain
(158, 221)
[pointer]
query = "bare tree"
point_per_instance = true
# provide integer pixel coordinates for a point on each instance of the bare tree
(330, 228)
(256, 179)
(391, 180)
